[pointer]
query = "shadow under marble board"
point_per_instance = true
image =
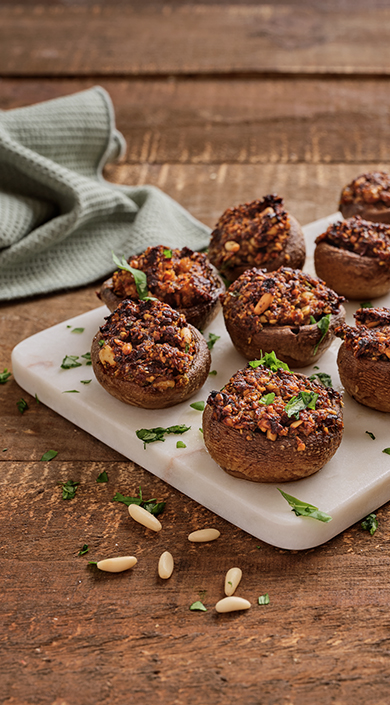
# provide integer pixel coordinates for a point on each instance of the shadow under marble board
(354, 483)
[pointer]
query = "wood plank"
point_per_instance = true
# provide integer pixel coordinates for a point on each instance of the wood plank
(255, 121)
(193, 39)
(70, 634)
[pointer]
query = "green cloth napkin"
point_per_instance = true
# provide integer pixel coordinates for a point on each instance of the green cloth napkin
(59, 219)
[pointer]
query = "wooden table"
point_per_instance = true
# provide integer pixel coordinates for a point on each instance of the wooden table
(219, 103)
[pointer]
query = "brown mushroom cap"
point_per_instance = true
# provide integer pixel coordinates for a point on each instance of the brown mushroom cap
(349, 274)
(254, 457)
(366, 211)
(296, 345)
(148, 396)
(366, 380)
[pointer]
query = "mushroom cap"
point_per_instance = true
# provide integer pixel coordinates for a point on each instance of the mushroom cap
(366, 380)
(349, 274)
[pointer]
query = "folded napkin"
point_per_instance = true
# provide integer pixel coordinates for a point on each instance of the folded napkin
(59, 219)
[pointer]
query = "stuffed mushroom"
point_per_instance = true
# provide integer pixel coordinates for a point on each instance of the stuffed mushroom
(368, 196)
(287, 311)
(148, 355)
(364, 358)
(353, 257)
(180, 277)
(257, 234)
(272, 425)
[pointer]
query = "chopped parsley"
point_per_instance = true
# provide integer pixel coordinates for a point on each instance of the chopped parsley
(69, 489)
(267, 399)
(386, 450)
(213, 373)
(71, 391)
(70, 361)
(180, 444)
(4, 376)
(304, 509)
(83, 550)
(198, 606)
(271, 361)
(22, 405)
(49, 455)
(323, 326)
(263, 599)
(101, 343)
(151, 435)
(304, 400)
(167, 253)
(366, 304)
(85, 381)
(371, 435)
(151, 505)
(212, 340)
(198, 405)
(370, 523)
(87, 358)
(36, 399)
(103, 477)
(139, 278)
(77, 330)
(324, 378)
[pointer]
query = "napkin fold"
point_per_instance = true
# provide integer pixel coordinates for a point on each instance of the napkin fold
(60, 219)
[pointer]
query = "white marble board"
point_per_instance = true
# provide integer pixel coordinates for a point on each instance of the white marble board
(354, 483)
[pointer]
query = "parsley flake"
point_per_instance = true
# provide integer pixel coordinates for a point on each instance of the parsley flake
(22, 405)
(83, 550)
(77, 330)
(198, 606)
(151, 505)
(267, 399)
(85, 381)
(386, 450)
(370, 523)
(304, 509)
(49, 455)
(370, 434)
(324, 378)
(167, 253)
(151, 435)
(71, 391)
(36, 399)
(87, 358)
(263, 599)
(198, 405)
(213, 373)
(103, 477)
(4, 376)
(70, 361)
(180, 444)
(323, 326)
(139, 278)
(212, 340)
(271, 361)
(366, 304)
(304, 400)
(69, 489)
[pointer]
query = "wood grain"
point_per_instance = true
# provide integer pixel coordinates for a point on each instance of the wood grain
(194, 39)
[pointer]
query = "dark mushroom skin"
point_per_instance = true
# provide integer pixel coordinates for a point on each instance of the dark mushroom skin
(257, 234)
(200, 309)
(296, 341)
(164, 362)
(367, 196)
(252, 455)
(364, 358)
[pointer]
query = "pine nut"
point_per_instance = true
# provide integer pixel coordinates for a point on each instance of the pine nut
(106, 356)
(165, 565)
(232, 579)
(116, 565)
(263, 303)
(232, 246)
(203, 535)
(232, 604)
(144, 517)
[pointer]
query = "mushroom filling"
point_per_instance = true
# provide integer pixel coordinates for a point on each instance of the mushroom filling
(287, 297)
(372, 188)
(258, 400)
(361, 237)
(180, 278)
(371, 337)
(147, 343)
(253, 234)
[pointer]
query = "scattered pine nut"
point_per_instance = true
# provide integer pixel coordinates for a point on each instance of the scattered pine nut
(232, 579)
(144, 517)
(116, 565)
(232, 604)
(165, 565)
(203, 535)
